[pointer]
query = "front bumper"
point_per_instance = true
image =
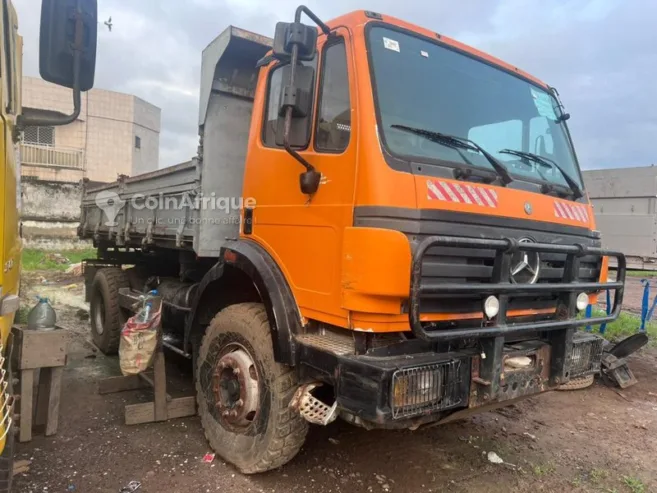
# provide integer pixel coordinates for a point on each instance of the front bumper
(409, 384)
(456, 369)
(502, 287)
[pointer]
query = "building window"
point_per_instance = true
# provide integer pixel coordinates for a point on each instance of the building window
(43, 136)
(137, 142)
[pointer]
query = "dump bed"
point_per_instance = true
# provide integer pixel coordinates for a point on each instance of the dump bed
(141, 210)
(195, 205)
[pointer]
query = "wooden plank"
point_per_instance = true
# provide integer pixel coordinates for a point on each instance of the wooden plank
(26, 405)
(160, 386)
(42, 396)
(120, 384)
(39, 349)
(53, 400)
(145, 413)
(21, 467)
(150, 382)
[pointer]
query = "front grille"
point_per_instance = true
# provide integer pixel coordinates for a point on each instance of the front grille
(586, 355)
(443, 265)
(429, 388)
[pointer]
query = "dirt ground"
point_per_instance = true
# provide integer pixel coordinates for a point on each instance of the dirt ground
(595, 440)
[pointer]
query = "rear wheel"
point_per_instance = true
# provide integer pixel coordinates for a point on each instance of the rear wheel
(244, 394)
(107, 317)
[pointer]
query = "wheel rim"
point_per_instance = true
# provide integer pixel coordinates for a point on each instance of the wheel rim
(99, 314)
(236, 389)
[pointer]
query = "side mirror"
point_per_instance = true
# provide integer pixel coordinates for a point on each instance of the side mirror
(67, 56)
(297, 97)
(297, 42)
(289, 34)
(69, 29)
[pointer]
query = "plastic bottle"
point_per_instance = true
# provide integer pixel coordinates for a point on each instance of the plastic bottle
(42, 316)
(146, 314)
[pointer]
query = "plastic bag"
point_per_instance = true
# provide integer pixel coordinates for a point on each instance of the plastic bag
(139, 339)
(42, 316)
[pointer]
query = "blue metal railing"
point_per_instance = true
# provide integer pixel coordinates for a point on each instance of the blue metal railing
(646, 313)
(647, 308)
(589, 314)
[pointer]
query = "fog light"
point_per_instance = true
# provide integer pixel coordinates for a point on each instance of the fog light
(582, 301)
(491, 306)
(586, 355)
(424, 389)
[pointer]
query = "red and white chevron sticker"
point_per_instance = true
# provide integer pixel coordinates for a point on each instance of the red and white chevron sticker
(564, 210)
(461, 193)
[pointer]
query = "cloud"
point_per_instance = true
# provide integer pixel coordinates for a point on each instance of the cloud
(598, 53)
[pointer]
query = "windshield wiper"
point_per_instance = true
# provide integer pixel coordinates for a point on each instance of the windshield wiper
(459, 142)
(448, 142)
(546, 162)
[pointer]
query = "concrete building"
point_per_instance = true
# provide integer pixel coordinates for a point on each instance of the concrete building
(625, 205)
(115, 134)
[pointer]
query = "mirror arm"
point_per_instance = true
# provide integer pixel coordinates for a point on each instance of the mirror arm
(302, 9)
(288, 115)
(309, 180)
(46, 118)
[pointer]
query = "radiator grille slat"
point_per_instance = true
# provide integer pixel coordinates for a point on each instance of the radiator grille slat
(443, 265)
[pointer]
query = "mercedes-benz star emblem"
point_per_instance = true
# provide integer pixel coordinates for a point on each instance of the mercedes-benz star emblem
(525, 266)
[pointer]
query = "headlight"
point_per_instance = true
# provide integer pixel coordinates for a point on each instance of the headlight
(491, 306)
(582, 301)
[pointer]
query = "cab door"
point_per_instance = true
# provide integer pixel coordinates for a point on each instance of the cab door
(304, 234)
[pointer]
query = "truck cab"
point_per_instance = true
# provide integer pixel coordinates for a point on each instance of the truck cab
(450, 213)
(413, 244)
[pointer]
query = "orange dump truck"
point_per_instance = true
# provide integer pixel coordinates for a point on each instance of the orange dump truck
(381, 224)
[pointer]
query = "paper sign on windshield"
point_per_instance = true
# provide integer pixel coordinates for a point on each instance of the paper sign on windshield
(544, 104)
(391, 44)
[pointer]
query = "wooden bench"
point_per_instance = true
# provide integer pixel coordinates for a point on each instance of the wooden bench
(41, 353)
(163, 407)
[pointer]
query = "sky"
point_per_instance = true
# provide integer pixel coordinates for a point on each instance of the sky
(600, 54)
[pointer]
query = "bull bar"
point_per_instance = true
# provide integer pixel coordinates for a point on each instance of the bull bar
(502, 287)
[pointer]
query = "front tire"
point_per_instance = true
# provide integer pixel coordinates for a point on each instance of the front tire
(107, 316)
(244, 394)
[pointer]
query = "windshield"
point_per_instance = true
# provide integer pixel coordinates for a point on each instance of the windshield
(425, 85)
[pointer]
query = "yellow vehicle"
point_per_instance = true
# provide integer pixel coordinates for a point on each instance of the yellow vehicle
(67, 58)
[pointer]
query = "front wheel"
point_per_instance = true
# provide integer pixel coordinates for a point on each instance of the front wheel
(244, 394)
